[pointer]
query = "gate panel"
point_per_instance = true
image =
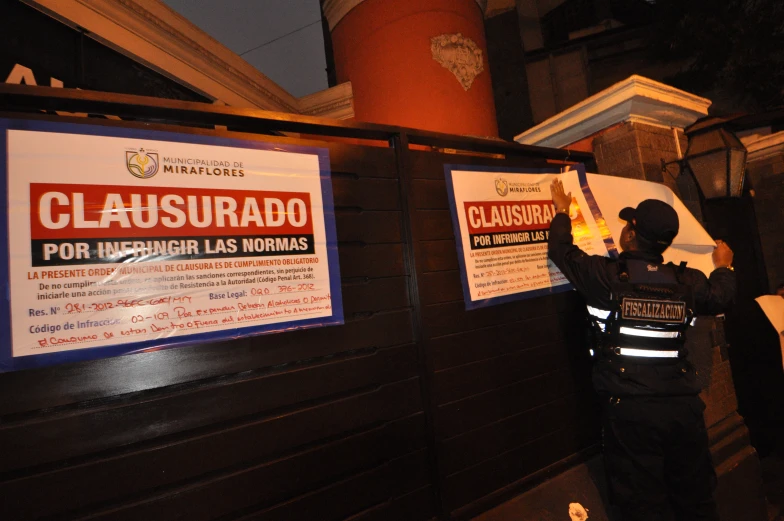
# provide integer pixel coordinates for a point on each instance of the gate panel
(321, 424)
(509, 383)
(413, 409)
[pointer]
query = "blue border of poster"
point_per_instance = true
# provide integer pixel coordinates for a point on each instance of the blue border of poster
(9, 363)
(476, 304)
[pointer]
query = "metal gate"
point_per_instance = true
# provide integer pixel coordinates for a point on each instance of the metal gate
(414, 409)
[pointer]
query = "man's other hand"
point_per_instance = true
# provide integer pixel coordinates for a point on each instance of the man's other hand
(560, 199)
(722, 255)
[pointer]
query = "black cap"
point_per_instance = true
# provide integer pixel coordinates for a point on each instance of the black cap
(654, 220)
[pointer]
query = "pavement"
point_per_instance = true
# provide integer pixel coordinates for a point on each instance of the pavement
(773, 485)
(583, 484)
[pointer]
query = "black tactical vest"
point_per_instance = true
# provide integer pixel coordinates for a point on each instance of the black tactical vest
(651, 312)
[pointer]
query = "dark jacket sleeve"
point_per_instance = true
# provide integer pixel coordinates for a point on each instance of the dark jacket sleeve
(587, 273)
(713, 295)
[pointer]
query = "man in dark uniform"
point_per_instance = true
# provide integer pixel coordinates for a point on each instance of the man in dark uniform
(656, 449)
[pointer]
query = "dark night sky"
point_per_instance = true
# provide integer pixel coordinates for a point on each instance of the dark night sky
(295, 62)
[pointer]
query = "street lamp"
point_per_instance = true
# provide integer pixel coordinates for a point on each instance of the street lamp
(716, 160)
(715, 157)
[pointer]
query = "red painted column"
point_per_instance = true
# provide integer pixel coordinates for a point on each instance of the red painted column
(383, 47)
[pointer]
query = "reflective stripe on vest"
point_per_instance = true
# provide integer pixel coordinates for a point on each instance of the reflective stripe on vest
(649, 333)
(602, 316)
(646, 353)
(598, 313)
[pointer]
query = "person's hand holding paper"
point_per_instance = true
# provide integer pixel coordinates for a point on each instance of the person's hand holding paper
(692, 244)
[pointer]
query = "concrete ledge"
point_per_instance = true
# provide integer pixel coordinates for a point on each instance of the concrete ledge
(336, 103)
(765, 147)
(151, 33)
(636, 99)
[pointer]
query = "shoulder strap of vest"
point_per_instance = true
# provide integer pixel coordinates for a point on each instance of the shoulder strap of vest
(623, 270)
(679, 271)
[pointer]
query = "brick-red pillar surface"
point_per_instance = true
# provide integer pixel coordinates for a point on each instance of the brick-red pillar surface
(383, 48)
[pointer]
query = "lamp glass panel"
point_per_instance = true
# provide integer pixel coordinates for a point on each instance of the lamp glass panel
(701, 143)
(737, 168)
(710, 171)
(732, 140)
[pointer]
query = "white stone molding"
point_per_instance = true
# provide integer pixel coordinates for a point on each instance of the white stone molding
(149, 32)
(460, 55)
(335, 103)
(636, 99)
(749, 135)
(765, 147)
(336, 10)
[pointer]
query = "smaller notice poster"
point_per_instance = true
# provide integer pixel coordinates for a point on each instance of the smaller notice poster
(121, 240)
(501, 220)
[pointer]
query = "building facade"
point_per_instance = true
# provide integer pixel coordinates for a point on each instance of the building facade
(140, 47)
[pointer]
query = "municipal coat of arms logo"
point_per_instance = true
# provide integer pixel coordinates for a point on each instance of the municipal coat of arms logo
(501, 186)
(141, 163)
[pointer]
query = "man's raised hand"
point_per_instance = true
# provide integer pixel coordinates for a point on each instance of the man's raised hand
(561, 200)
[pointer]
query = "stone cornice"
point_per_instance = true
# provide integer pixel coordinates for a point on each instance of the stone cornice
(150, 32)
(336, 103)
(335, 10)
(637, 99)
(765, 147)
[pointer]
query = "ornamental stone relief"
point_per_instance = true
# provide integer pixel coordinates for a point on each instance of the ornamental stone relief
(460, 55)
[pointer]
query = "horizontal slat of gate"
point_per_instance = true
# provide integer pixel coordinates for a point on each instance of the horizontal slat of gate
(168, 462)
(510, 382)
(336, 502)
(371, 260)
(414, 506)
(527, 458)
(359, 192)
(325, 423)
(496, 340)
(434, 225)
(451, 317)
(436, 256)
(267, 482)
(61, 386)
(490, 406)
(366, 295)
(473, 447)
(368, 227)
(430, 194)
(440, 286)
(68, 435)
(466, 380)
(362, 161)
(423, 164)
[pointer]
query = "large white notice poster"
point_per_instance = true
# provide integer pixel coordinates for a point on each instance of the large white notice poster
(502, 220)
(123, 240)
